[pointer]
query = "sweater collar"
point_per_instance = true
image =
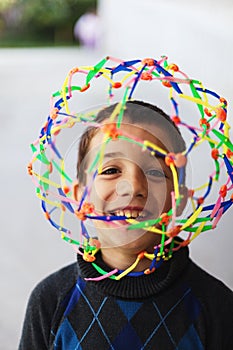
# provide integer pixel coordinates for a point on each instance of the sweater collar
(136, 287)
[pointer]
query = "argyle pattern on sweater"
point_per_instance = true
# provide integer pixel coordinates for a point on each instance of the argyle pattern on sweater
(95, 321)
(179, 306)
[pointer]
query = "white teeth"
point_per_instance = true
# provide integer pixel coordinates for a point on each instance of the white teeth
(128, 213)
(133, 214)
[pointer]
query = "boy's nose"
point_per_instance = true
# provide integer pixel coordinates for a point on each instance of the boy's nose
(133, 183)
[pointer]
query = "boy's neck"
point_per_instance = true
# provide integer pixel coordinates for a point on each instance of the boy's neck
(120, 259)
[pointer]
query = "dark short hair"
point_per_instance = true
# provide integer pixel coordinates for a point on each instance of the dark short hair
(137, 112)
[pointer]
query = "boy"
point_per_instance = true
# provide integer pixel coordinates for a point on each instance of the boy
(170, 305)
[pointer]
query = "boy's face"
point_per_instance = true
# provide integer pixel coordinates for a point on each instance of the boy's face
(131, 182)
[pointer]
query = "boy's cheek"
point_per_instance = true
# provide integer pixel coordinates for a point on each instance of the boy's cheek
(161, 192)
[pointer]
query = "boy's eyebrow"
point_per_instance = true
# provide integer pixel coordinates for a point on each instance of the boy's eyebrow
(122, 155)
(114, 155)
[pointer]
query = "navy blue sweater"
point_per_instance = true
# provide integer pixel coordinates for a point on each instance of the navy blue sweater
(179, 306)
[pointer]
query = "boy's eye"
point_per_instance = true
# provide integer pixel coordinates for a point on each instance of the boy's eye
(110, 171)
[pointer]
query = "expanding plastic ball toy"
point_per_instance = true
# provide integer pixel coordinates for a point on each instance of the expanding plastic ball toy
(209, 126)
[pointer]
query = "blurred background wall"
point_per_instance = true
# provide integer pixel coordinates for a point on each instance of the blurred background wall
(198, 36)
(37, 48)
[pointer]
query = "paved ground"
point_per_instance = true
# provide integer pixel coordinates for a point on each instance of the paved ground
(30, 249)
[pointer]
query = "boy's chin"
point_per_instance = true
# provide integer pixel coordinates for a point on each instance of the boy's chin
(138, 240)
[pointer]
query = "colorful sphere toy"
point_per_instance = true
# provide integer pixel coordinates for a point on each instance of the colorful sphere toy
(209, 127)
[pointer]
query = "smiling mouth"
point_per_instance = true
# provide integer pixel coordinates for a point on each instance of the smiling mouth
(128, 213)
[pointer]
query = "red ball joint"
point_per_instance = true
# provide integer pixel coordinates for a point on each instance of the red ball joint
(169, 159)
(146, 76)
(207, 112)
(176, 119)
(87, 208)
(174, 67)
(215, 153)
(200, 200)
(223, 100)
(148, 61)
(85, 87)
(117, 85)
(203, 121)
(166, 83)
(221, 114)
(111, 130)
(223, 191)
(174, 231)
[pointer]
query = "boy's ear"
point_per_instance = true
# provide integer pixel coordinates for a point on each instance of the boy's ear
(77, 191)
(184, 197)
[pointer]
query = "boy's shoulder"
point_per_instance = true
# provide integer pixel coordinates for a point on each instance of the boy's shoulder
(57, 284)
(45, 307)
(209, 287)
(64, 274)
(216, 301)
